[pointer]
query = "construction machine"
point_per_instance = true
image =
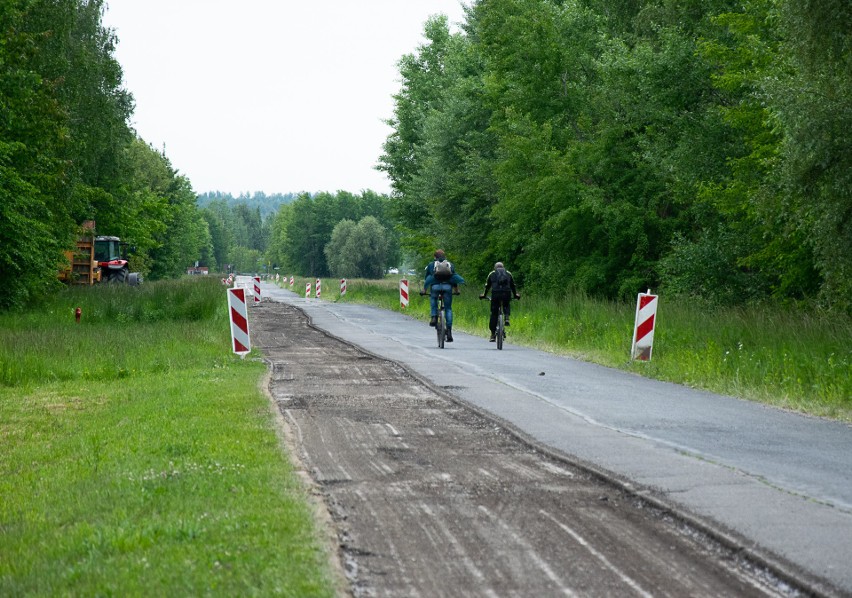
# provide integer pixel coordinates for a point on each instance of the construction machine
(98, 258)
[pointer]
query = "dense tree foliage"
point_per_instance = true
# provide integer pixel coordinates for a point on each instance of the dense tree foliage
(68, 154)
(608, 146)
(601, 145)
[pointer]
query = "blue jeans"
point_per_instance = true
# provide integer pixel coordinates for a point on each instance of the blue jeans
(447, 290)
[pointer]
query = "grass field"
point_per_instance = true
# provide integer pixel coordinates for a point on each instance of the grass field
(138, 456)
(773, 355)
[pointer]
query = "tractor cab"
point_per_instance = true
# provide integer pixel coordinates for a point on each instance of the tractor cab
(107, 249)
(109, 257)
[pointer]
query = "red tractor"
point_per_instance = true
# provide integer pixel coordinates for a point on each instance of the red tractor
(112, 261)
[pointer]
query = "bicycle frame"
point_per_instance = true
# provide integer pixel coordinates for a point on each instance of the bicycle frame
(500, 330)
(441, 322)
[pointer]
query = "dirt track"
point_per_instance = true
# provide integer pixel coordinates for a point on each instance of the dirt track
(429, 498)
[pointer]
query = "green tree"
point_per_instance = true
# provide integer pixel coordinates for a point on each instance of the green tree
(340, 252)
(219, 240)
(358, 250)
(32, 136)
(186, 235)
(811, 99)
(422, 86)
(370, 245)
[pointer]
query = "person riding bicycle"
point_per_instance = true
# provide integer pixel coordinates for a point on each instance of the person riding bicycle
(502, 285)
(441, 279)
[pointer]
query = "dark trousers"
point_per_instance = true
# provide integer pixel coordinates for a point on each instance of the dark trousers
(495, 310)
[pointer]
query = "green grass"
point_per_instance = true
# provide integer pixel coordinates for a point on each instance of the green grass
(770, 354)
(138, 456)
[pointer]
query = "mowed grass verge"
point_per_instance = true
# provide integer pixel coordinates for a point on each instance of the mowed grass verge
(138, 456)
(770, 354)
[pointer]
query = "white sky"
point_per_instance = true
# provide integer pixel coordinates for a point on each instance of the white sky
(269, 95)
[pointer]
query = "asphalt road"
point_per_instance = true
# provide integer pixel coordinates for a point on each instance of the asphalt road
(779, 482)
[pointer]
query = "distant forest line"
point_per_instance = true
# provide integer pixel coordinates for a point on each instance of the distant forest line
(268, 204)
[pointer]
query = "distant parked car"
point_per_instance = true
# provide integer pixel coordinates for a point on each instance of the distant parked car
(393, 271)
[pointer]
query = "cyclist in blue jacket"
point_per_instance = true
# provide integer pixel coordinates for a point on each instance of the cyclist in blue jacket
(441, 279)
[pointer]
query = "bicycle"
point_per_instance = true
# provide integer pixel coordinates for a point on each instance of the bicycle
(500, 329)
(441, 321)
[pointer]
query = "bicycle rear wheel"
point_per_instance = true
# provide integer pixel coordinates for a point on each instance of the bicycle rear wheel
(501, 331)
(441, 328)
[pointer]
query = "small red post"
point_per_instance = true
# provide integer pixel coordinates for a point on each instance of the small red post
(77, 313)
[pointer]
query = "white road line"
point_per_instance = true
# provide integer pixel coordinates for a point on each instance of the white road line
(585, 544)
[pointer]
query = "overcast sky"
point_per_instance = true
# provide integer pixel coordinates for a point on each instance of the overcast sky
(269, 95)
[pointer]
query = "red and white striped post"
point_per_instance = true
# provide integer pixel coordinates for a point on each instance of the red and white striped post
(292, 281)
(643, 330)
(319, 288)
(403, 293)
(307, 290)
(342, 287)
(240, 340)
(256, 290)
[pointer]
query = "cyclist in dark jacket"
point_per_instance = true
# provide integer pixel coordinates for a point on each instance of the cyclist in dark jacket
(502, 286)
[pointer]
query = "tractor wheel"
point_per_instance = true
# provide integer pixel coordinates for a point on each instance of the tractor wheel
(119, 277)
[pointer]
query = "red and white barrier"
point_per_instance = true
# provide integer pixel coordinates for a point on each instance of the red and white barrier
(292, 281)
(319, 288)
(403, 293)
(240, 340)
(256, 290)
(643, 330)
(307, 290)
(342, 287)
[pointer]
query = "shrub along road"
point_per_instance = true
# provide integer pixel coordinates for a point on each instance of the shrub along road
(431, 495)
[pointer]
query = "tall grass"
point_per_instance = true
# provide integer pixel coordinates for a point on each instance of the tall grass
(771, 354)
(138, 455)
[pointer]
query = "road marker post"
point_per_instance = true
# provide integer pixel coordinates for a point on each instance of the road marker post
(643, 330)
(256, 290)
(342, 287)
(319, 288)
(292, 281)
(240, 340)
(307, 290)
(403, 293)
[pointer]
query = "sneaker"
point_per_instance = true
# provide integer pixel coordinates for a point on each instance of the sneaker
(506, 322)
(493, 337)
(433, 321)
(449, 335)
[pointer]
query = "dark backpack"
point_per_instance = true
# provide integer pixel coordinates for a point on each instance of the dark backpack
(443, 271)
(501, 282)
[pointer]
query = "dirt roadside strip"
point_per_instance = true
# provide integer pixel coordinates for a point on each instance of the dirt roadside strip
(429, 497)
